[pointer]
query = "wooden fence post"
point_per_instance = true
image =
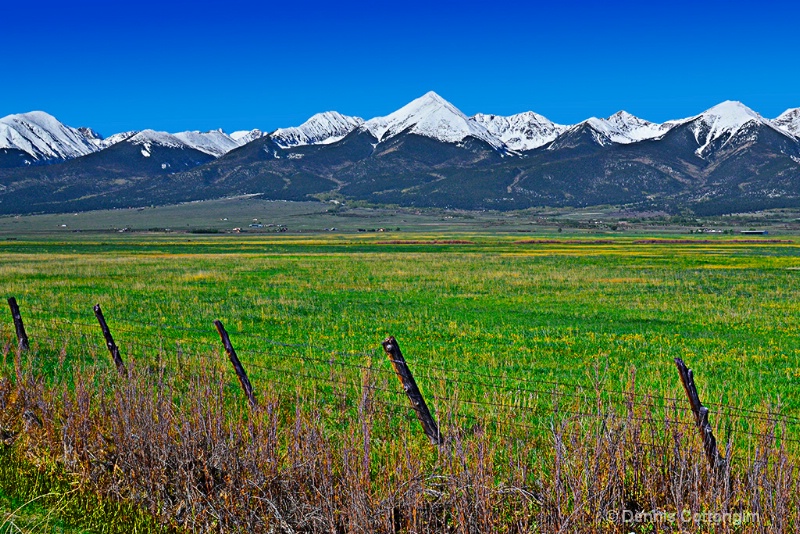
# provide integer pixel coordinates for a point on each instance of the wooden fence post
(112, 347)
(715, 459)
(410, 387)
(22, 337)
(237, 365)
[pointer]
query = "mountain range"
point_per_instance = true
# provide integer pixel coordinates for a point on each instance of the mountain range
(427, 153)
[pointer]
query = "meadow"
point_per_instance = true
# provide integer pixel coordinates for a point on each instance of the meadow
(508, 335)
(544, 311)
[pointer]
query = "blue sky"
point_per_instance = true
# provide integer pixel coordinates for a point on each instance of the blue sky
(234, 65)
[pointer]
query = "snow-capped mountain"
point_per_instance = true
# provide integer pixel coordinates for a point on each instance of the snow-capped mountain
(95, 138)
(117, 138)
(43, 137)
(149, 138)
(431, 116)
(789, 121)
(520, 132)
(725, 159)
(245, 136)
(145, 153)
(622, 127)
(320, 129)
(719, 124)
(217, 142)
(214, 142)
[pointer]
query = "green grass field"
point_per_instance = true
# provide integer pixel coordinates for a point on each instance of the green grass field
(552, 311)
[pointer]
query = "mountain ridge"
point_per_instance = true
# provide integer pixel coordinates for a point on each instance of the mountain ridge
(430, 115)
(321, 128)
(429, 153)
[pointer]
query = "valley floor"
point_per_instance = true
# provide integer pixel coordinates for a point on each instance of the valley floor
(544, 356)
(253, 216)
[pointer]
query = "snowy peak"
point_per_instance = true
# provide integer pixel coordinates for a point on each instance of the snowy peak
(40, 137)
(157, 138)
(628, 128)
(591, 132)
(93, 137)
(431, 116)
(624, 128)
(146, 139)
(520, 132)
(322, 128)
(43, 137)
(789, 122)
(621, 128)
(215, 142)
(117, 138)
(242, 137)
(728, 116)
(719, 124)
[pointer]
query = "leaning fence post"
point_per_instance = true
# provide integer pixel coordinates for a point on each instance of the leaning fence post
(112, 347)
(410, 387)
(237, 365)
(715, 459)
(22, 337)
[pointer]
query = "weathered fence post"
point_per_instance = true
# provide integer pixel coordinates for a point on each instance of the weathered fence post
(410, 387)
(237, 365)
(715, 459)
(112, 347)
(22, 337)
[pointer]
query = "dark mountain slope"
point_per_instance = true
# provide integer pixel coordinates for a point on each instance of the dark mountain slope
(13, 157)
(119, 176)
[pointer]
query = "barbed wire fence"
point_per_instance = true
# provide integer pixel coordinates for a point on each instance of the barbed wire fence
(464, 399)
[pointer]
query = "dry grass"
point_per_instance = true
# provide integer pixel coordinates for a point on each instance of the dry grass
(183, 447)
